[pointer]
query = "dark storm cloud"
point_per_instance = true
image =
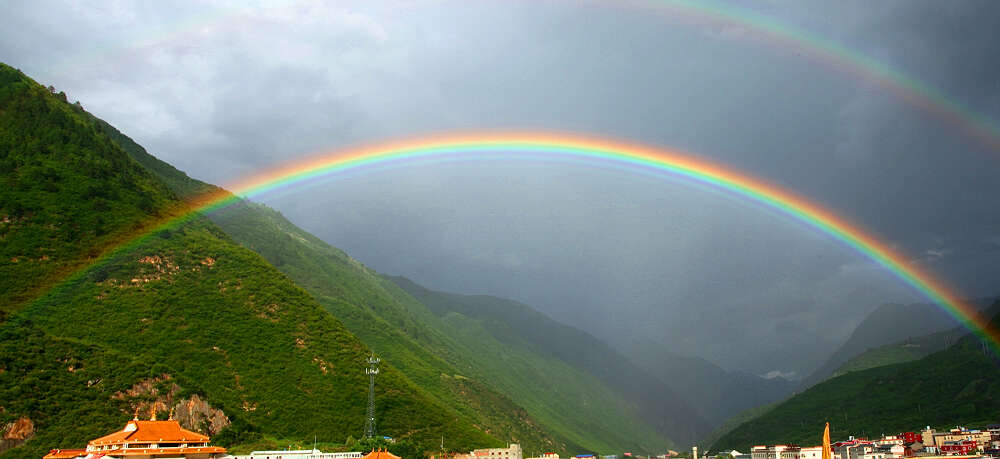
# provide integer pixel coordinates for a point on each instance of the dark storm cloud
(225, 92)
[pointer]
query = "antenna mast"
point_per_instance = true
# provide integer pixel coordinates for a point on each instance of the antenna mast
(371, 370)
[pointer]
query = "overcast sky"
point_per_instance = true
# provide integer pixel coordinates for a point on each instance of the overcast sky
(228, 90)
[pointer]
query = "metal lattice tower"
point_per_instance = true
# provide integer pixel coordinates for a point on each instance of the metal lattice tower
(371, 371)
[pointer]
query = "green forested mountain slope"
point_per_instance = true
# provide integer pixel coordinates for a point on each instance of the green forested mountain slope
(903, 351)
(566, 409)
(355, 294)
(425, 347)
(960, 385)
(912, 348)
(510, 327)
(889, 323)
(67, 193)
(188, 304)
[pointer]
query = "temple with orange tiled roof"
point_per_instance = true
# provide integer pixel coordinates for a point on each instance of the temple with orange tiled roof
(380, 454)
(150, 439)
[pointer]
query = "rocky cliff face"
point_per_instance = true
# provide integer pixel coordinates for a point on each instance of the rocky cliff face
(196, 414)
(160, 396)
(15, 433)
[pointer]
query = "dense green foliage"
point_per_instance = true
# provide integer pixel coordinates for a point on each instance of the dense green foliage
(67, 193)
(553, 355)
(400, 329)
(889, 323)
(958, 386)
(903, 351)
(80, 380)
(188, 302)
(566, 408)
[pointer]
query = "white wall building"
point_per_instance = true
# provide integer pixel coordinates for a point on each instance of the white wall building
(769, 452)
(512, 451)
(300, 454)
(811, 452)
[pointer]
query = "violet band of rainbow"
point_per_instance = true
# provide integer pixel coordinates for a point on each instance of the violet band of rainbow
(586, 150)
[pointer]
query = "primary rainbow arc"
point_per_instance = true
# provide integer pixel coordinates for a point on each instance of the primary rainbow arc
(602, 152)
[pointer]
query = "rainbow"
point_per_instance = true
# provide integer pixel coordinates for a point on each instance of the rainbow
(921, 95)
(915, 92)
(589, 151)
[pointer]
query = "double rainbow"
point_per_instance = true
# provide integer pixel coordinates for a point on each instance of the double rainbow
(600, 153)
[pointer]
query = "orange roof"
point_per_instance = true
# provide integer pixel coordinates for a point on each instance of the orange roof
(65, 453)
(119, 452)
(381, 454)
(150, 431)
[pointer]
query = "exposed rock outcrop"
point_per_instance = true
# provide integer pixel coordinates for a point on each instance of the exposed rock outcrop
(15, 433)
(193, 413)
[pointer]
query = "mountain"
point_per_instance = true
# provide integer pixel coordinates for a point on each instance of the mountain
(437, 352)
(717, 394)
(911, 348)
(97, 323)
(465, 376)
(902, 351)
(888, 324)
(511, 328)
(960, 385)
(356, 295)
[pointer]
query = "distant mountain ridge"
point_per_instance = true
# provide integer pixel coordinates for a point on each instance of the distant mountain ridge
(902, 351)
(717, 394)
(887, 324)
(957, 386)
(520, 325)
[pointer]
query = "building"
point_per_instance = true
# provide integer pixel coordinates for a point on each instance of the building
(300, 454)
(768, 452)
(982, 438)
(150, 439)
(790, 452)
(380, 454)
(811, 452)
(512, 451)
(958, 447)
(911, 437)
(994, 430)
(846, 449)
(546, 456)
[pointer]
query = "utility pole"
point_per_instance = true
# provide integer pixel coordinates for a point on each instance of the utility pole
(371, 370)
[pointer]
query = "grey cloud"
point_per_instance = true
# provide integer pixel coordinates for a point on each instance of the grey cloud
(224, 93)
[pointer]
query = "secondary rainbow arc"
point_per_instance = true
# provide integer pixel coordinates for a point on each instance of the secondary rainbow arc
(599, 151)
(922, 95)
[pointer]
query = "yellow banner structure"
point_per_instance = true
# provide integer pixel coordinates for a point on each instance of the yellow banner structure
(826, 442)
